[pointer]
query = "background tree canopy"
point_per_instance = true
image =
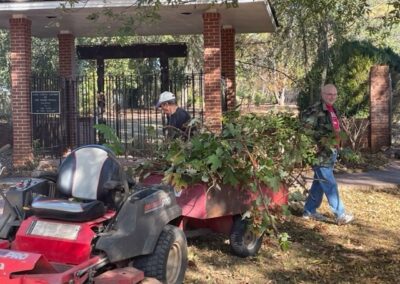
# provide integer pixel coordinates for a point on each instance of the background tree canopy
(316, 42)
(349, 68)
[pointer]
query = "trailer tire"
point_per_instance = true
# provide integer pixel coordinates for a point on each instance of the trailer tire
(243, 241)
(168, 262)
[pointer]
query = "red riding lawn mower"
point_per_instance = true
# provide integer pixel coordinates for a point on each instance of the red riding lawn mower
(87, 225)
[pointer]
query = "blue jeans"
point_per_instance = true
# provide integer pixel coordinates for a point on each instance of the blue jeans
(324, 182)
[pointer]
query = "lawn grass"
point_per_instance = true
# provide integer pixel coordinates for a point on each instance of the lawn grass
(366, 251)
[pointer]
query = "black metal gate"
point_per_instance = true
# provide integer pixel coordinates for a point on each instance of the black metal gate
(49, 134)
(127, 106)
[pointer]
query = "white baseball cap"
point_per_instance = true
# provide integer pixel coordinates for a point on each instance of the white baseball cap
(165, 97)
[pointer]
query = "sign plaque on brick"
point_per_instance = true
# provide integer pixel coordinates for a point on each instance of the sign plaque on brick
(45, 102)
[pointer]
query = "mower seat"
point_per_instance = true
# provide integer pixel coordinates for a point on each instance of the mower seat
(84, 178)
(68, 210)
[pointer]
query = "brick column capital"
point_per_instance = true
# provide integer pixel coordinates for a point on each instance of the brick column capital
(212, 16)
(65, 35)
(19, 19)
(228, 28)
(379, 70)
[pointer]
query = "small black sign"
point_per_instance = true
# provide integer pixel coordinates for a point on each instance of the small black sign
(45, 102)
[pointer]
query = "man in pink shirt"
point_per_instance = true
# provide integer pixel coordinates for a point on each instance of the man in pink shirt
(322, 120)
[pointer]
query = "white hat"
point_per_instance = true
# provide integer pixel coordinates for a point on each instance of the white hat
(165, 97)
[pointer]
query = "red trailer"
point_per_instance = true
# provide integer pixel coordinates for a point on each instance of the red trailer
(221, 211)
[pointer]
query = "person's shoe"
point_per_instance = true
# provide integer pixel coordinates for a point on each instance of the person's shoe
(344, 219)
(314, 216)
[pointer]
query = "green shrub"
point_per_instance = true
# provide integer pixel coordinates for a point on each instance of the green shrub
(348, 156)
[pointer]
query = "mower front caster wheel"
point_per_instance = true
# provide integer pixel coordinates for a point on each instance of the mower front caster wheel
(244, 242)
(168, 262)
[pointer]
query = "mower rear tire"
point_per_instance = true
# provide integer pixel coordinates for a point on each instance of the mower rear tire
(168, 262)
(243, 241)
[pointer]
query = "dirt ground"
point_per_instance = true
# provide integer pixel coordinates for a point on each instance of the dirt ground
(366, 251)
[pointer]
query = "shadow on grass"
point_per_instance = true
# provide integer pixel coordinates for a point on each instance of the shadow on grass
(211, 241)
(334, 262)
(393, 192)
(316, 256)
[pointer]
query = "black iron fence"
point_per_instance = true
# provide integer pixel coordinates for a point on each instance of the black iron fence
(5, 116)
(126, 104)
(5, 104)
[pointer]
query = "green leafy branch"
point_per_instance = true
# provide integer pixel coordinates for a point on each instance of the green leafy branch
(252, 151)
(113, 141)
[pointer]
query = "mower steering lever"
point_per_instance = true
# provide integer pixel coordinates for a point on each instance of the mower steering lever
(100, 263)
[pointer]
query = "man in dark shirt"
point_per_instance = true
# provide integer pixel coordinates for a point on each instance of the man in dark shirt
(177, 117)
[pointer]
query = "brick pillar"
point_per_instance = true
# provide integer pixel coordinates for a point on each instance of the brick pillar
(66, 60)
(228, 65)
(212, 71)
(20, 35)
(380, 94)
(66, 54)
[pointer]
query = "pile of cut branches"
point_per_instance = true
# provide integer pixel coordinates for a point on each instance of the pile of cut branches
(251, 151)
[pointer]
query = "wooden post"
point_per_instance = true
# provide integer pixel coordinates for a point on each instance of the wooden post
(164, 73)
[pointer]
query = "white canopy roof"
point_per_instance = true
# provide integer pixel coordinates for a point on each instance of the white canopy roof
(49, 19)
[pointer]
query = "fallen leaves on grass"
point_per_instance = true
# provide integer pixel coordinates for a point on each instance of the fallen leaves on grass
(366, 251)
